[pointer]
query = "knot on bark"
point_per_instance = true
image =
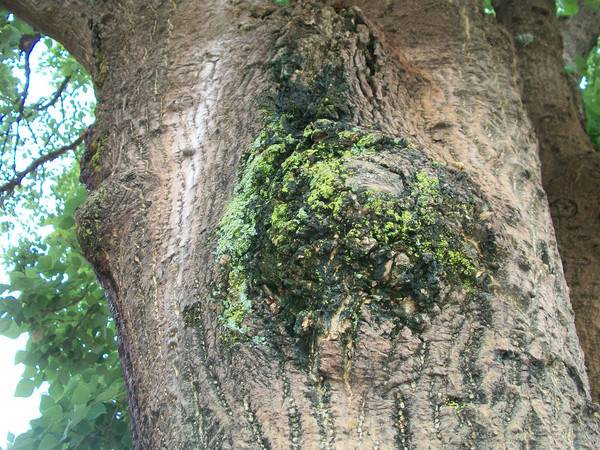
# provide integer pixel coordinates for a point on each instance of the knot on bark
(340, 220)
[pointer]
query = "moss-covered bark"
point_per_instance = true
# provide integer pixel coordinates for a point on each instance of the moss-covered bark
(337, 218)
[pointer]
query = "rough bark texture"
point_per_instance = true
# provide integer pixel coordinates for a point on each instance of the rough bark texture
(450, 327)
(570, 164)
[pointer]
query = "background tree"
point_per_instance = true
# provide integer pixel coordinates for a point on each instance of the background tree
(359, 283)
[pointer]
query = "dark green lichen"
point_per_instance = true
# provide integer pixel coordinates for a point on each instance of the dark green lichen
(309, 236)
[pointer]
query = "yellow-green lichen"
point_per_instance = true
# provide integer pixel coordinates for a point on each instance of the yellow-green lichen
(454, 404)
(302, 242)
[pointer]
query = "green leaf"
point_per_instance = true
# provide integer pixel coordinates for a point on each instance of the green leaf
(56, 390)
(75, 262)
(5, 323)
(488, 8)
(24, 442)
(45, 263)
(567, 8)
(581, 64)
(54, 414)
(24, 388)
(109, 393)
(46, 402)
(81, 394)
(571, 68)
(18, 280)
(29, 372)
(66, 223)
(96, 410)
(71, 205)
(20, 356)
(13, 331)
(49, 442)
(80, 412)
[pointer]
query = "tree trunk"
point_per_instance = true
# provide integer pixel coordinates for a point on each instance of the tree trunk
(570, 163)
(321, 226)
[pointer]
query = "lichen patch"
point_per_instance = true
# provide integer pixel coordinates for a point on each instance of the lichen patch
(335, 219)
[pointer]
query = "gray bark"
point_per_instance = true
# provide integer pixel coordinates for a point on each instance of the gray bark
(570, 163)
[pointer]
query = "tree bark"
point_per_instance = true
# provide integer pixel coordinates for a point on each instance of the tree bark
(570, 163)
(384, 274)
(580, 32)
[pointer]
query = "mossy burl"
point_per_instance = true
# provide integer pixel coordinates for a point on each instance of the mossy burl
(301, 243)
(307, 239)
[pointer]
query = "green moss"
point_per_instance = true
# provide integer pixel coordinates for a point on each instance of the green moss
(329, 218)
(102, 68)
(299, 239)
(90, 221)
(98, 146)
(236, 306)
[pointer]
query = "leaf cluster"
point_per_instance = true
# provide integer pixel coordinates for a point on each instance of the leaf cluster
(588, 69)
(53, 294)
(36, 117)
(568, 8)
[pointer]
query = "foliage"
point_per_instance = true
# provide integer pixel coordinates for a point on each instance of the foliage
(589, 72)
(53, 295)
(587, 68)
(36, 117)
(567, 8)
(488, 8)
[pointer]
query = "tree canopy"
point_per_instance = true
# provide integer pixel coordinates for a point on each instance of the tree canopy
(52, 292)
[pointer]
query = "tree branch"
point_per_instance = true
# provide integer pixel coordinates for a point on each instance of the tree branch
(580, 32)
(23, 96)
(7, 189)
(41, 105)
(63, 20)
